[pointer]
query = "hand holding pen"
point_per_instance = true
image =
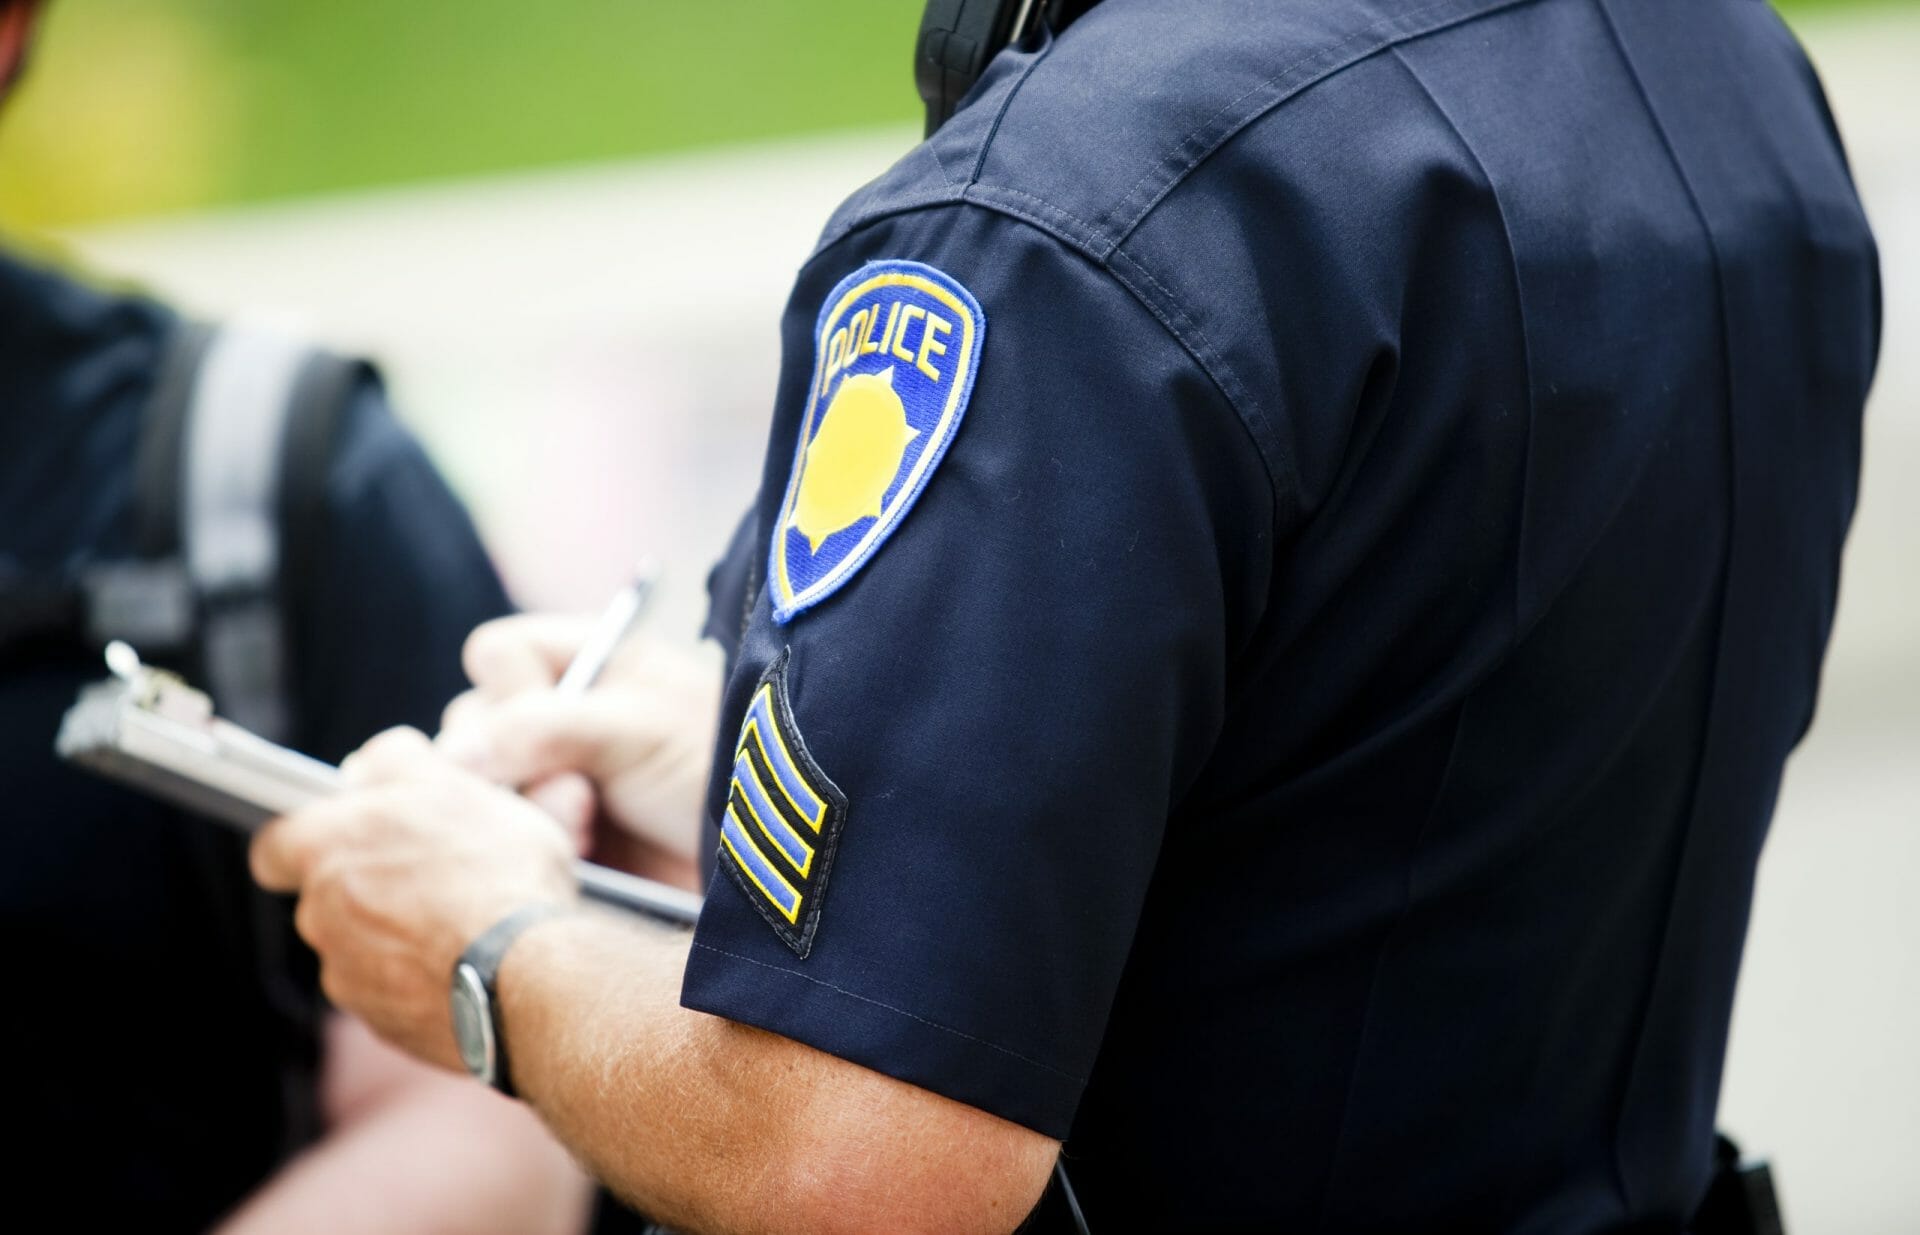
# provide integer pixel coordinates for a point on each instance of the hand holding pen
(590, 717)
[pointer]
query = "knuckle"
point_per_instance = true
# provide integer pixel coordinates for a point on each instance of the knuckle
(413, 804)
(543, 746)
(279, 855)
(334, 985)
(463, 710)
(521, 736)
(355, 891)
(488, 647)
(263, 856)
(387, 754)
(309, 921)
(401, 741)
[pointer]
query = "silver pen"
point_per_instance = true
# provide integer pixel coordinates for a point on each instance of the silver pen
(622, 614)
(603, 883)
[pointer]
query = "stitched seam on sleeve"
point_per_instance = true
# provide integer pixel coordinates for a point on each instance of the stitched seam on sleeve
(1192, 340)
(841, 990)
(1091, 241)
(933, 152)
(1167, 309)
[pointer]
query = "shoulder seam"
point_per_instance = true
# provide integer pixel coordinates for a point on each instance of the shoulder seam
(1168, 310)
(1155, 297)
(1099, 238)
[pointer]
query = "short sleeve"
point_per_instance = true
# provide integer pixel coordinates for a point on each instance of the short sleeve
(1000, 711)
(404, 579)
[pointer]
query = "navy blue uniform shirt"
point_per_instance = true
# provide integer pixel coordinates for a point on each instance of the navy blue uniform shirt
(1302, 732)
(159, 1019)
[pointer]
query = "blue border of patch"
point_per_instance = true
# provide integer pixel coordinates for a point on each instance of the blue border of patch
(786, 602)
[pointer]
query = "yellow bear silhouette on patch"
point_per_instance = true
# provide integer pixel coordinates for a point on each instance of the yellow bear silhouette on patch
(853, 459)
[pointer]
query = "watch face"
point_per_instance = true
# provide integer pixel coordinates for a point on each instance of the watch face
(472, 1022)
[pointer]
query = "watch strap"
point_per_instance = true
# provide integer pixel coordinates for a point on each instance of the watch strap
(485, 955)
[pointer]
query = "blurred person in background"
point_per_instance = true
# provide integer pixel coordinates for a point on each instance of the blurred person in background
(173, 1066)
(1295, 542)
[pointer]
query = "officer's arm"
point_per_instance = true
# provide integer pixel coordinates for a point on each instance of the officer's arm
(411, 1149)
(710, 1125)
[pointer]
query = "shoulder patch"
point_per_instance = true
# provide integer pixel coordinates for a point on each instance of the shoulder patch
(783, 816)
(895, 352)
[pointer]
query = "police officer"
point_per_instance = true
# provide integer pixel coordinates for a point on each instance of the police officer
(1295, 542)
(167, 1050)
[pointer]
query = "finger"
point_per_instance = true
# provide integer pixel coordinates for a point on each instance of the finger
(333, 985)
(283, 854)
(309, 920)
(508, 656)
(536, 736)
(570, 799)
(396, 754)
(463, 734)
(466, 710)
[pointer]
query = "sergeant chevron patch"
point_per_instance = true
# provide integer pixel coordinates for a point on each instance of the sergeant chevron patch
(895, 352)
(783, 816)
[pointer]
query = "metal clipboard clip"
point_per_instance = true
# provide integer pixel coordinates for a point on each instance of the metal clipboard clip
(148, 729)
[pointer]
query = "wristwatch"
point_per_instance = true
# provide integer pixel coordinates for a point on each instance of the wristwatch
(476, 1010)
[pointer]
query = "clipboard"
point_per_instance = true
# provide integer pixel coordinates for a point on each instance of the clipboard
(148, 729)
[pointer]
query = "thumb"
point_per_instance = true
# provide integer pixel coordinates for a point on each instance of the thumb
(542, 734)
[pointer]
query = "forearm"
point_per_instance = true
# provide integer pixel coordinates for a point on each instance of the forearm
(414, 1149)
(712, 1126)
(628, 1079)
(707, 1124)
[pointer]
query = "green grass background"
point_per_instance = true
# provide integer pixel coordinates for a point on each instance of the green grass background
(142, 106)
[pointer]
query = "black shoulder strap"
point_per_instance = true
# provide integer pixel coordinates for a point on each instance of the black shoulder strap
(321, 396)
(160, 461)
